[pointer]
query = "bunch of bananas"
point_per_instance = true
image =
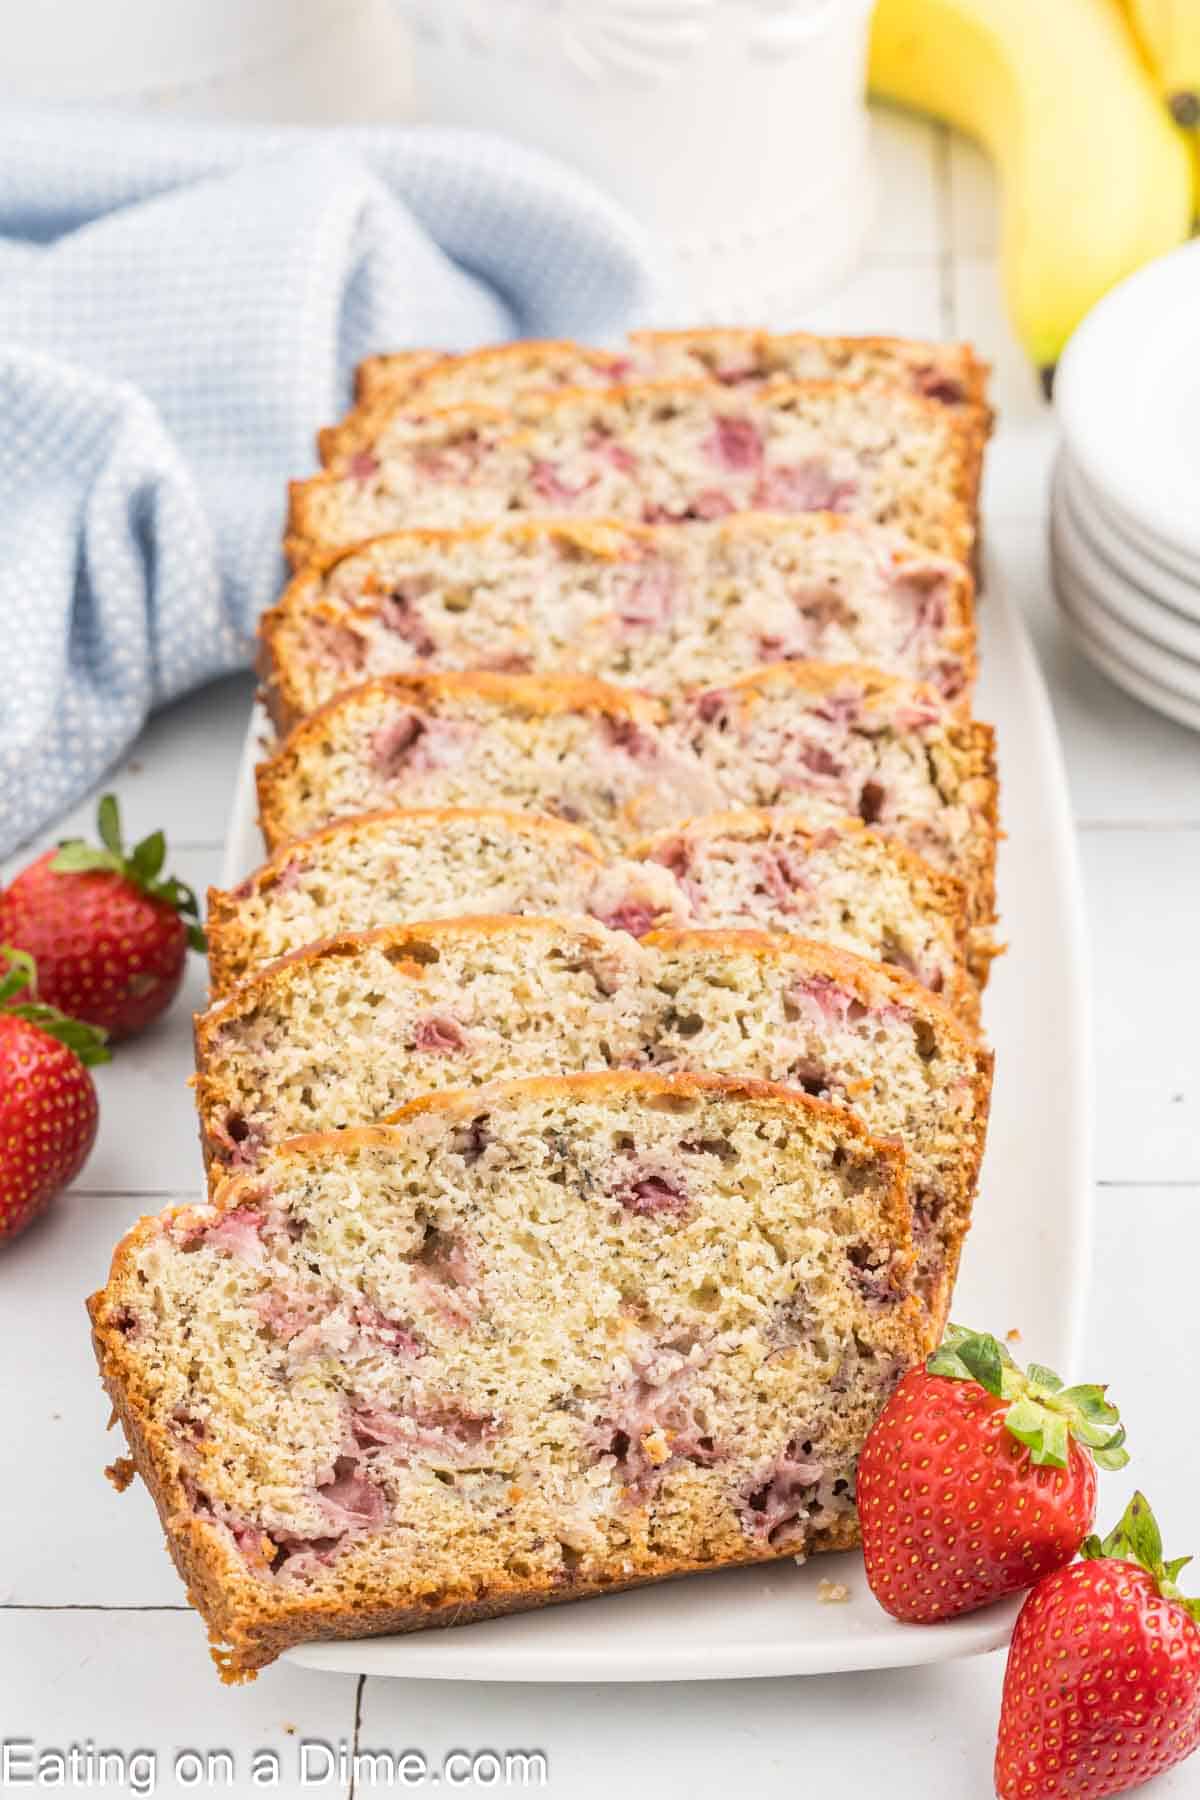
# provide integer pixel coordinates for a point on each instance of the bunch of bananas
(1090, 110)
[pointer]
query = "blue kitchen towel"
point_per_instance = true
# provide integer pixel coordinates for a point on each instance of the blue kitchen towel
(181, 307)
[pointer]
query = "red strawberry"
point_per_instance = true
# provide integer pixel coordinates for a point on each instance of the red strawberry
(48, 1109)
(1102, 1688)
(978, 1478)
(109, 935)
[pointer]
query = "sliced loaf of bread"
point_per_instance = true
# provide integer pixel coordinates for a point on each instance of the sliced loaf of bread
(656, 607)
(461, 1001)
(828, 739)
(472, 1362)
(502, 374)
(657, 453)
(842, 884)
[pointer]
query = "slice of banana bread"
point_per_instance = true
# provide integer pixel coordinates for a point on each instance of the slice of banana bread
(460, 1001)
(842, 884)
(502, 374)
(532, 1342)
(548, 744)
(655, 607)
(829, 739)
(657, 453)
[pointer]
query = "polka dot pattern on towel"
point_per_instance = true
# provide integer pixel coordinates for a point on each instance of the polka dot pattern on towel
(180, 308)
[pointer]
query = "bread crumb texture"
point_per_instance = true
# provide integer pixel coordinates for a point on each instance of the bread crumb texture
(355, 1029)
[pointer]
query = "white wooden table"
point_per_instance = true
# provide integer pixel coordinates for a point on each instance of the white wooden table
(95, 1641)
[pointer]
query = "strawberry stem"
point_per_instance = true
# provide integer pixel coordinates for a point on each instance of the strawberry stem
(141, 867)
(1136, 1538)
(20, 977)
(1043, 1415)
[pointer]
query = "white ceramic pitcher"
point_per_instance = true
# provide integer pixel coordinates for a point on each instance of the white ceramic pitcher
(736, 129)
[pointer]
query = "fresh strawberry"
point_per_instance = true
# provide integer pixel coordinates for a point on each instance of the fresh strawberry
(978, 1478)
(109, 934)
(48, 1109)
(1102, 1688)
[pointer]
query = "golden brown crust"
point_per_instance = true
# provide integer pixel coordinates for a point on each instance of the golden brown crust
(387, 384)
(912, 356)
(400, 939)
(400, 376)
(248, 1624)
(398, 366)
(866, 978)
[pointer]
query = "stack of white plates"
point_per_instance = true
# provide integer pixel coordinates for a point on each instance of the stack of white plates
(1125, 516)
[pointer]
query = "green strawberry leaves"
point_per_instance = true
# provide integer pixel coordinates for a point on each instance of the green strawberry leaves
(20, 977)
(1045, 1434)
(142, 866)
(1044, 1415)
(1136, 1538)
(971, 1356)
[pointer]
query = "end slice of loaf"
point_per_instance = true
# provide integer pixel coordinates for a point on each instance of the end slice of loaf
(840, 883)
(654, 607)
(462, 1001)
(827, 739)
(532, 1342)
(655, 454)
(503, 374)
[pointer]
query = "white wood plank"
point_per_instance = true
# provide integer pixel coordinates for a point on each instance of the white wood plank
(974, 199)
(932, 1730)
(1125, 763)
(69, 1537)
(1146, 1250)
(1142, 887)
(128, 1682)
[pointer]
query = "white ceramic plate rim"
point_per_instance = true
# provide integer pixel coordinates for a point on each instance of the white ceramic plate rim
(1025, 1268)
(1093, 391)
(1121, 673)
(1086, 609)
(1164, 635)
(1173, 580)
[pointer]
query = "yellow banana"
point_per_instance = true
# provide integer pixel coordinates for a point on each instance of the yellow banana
(1169, 34)
(1095, 180)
